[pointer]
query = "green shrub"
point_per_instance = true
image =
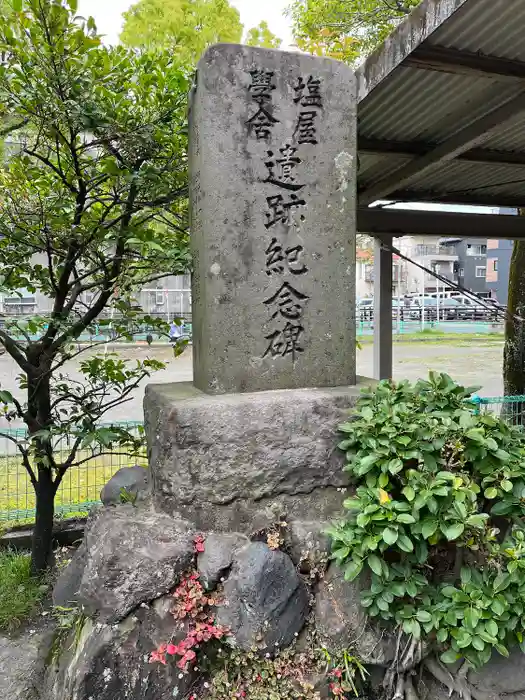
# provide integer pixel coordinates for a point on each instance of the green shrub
(20, 593)
(436, 524)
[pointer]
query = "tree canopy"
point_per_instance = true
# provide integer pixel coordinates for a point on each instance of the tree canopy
(345, 29)
(186, 26)
(92, 208)
(263, 36)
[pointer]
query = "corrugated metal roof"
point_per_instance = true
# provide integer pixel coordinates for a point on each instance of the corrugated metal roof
(423, 108)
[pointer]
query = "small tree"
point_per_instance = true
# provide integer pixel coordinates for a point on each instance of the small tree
(92, 207)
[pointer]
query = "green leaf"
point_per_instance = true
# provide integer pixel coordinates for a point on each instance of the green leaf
(383, 480)
(442, 635)
(423, 616)
(506, 485)
(17, 5)
(409, 493)
(416, 629)
(478, 643)
(449, 657)
(453, 531)
(353, 570)
(491, 493)
(464, 639)
(492, 628)
(501, 582)
(406, 518)
(501, 508)
(472, 617)
(502, 650)
(497, 607)
(477, 520)
(390, 535)
(366, 464)
(466, 575)
(375, 564)
(405, 543)
(395, 466)
(429, 528)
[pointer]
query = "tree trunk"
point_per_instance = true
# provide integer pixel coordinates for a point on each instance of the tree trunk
(39, 422)
(514, 355)
(41, 548)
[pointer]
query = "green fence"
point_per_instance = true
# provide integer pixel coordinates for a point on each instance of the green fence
(510, 408)
(79, 490)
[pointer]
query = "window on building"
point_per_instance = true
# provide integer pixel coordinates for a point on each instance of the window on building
(462, 272)
(495, 265)
(474, 249)
(481, 271)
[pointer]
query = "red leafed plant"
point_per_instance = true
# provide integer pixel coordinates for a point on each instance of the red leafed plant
(193, 608)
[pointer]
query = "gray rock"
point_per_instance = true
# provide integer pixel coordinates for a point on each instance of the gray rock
(217, 558)
(308, 546)
(67, 586)
(342, 622)
(135, 481)
(236, 463)
(500, 678)
(22, 665)
(111, 662)
(133, 555)
(244, 220)
(265, 601)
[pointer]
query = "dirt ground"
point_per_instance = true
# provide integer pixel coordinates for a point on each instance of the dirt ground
(470, 363)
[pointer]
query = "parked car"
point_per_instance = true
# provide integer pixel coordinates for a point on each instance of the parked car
(448, 309)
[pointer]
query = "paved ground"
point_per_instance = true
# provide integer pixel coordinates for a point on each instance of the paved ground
(472, 364)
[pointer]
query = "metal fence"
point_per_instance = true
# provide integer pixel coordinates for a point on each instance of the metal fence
(510, 408)
(79, 490)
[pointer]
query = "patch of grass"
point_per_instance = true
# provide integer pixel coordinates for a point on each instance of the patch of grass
(20, 593)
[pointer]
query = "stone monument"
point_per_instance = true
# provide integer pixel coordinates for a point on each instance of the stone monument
(272, 164)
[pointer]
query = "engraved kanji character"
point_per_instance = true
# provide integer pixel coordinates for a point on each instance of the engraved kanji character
(262, 86)
(274, 258)
(289, 301)
(280, 211)
(277, 258)
(262, 122)
(305, 129)
(280, 170)
(285, 342)
(313, 88)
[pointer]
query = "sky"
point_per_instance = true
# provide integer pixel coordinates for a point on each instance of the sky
(108, 16)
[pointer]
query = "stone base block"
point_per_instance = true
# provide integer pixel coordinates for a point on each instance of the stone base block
(242, 461)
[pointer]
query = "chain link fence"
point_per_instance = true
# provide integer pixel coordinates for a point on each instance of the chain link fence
(79, 490)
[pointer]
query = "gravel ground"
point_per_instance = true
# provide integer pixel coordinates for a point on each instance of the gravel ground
(470, 363)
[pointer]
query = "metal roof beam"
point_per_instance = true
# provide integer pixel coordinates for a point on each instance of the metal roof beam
(417, 148)
(398, 222)
(481, 198)
(464, 140)
(456, 62)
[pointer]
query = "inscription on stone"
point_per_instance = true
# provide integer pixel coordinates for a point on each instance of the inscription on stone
(275, 236)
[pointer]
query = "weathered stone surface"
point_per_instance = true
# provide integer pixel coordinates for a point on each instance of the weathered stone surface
(22, 665)
(217, 558)
(135, 480)
(132, 555)
(265, 601)
(67, 587)
(272, 160)
(110, 662)
(308, 546)
(240, 462)
(341, 621)
(501, 678)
